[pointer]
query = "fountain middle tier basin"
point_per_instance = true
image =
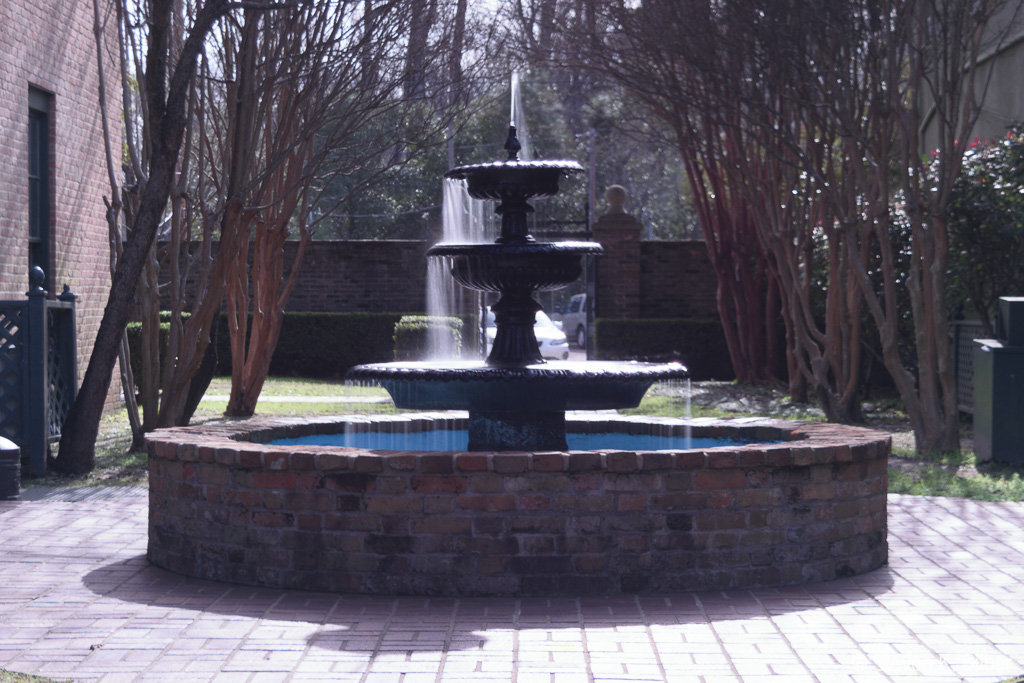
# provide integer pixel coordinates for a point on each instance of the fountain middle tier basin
(528, 266)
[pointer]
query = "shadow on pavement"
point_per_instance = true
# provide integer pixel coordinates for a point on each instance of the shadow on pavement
(364, 623)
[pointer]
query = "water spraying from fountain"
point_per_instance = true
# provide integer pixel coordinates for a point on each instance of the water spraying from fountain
(518, 119)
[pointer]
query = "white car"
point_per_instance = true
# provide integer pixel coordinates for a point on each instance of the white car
(574, 319)
(550, 340)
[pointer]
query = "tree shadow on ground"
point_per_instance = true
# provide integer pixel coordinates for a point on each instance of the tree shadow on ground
(368, 624)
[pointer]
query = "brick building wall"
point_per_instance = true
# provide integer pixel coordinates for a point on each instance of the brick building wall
(48, 46)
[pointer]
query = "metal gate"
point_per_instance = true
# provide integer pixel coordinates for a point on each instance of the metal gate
(38, 370)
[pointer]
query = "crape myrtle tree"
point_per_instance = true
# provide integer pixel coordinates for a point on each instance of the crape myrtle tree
(285, 95)
(927, 57)
(321, 92)
(831, 98)
(802, 186)
(661, 55)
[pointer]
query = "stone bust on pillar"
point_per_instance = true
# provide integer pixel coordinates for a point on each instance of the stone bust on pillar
(618, 272)
(616, 198)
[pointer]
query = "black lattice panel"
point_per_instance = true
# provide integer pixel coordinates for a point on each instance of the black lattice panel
(12, 353)
(59, 367)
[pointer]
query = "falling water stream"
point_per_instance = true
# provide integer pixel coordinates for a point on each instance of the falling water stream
(462, 220)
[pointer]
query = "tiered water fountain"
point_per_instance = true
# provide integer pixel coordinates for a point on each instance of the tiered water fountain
(516, 400)
(518, 513)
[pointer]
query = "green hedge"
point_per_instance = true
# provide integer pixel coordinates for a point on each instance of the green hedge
(135, 340)
(413, 336)
(320, 344)
(698, 344)
(328, 344)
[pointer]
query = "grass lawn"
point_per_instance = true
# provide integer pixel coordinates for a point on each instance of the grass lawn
(909, 473)
(324, 398)
(117, 465)
(927, 478)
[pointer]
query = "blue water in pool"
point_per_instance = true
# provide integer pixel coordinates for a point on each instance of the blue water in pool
(458, 440)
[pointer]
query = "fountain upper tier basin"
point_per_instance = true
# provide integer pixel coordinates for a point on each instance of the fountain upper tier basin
(501, 180)
(555, 386)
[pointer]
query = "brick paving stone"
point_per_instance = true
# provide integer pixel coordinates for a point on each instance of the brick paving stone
(78, 600)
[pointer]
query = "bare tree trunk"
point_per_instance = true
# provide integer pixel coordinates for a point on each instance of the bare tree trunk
(113, 214)
(166, 99)
(422, 13)
(455, 76)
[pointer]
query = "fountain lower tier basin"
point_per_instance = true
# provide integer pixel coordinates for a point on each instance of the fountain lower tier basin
(226, 505)
(520, 407)
(555, 386)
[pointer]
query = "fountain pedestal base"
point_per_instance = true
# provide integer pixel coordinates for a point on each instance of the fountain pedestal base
(517, 431)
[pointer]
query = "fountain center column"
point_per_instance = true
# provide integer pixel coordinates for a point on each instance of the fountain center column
(517, 431)
(515, 341)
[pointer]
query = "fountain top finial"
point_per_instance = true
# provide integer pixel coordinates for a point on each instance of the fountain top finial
(512, 145)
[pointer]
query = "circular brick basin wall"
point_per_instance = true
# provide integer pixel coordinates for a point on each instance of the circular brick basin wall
(225, 505)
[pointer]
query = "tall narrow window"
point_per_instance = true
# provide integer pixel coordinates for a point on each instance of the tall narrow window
(39, 182)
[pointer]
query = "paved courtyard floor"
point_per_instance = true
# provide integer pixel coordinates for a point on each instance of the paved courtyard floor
(79, 601)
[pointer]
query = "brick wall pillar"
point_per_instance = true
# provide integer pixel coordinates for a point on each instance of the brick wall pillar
(618, 271)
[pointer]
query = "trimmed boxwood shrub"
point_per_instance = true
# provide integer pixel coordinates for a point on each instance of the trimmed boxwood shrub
(697, 344)
(134, 331)
(413, 336)
(470, 333)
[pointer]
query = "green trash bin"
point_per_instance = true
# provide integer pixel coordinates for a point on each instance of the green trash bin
(999, 388)
(10, 470)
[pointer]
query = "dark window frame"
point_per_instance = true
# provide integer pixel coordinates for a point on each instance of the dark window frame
(40, 183)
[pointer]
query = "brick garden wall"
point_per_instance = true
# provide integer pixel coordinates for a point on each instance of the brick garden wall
(48, 45)
(346, 276)
(811, 508)
(362, 275)
(675, 278)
